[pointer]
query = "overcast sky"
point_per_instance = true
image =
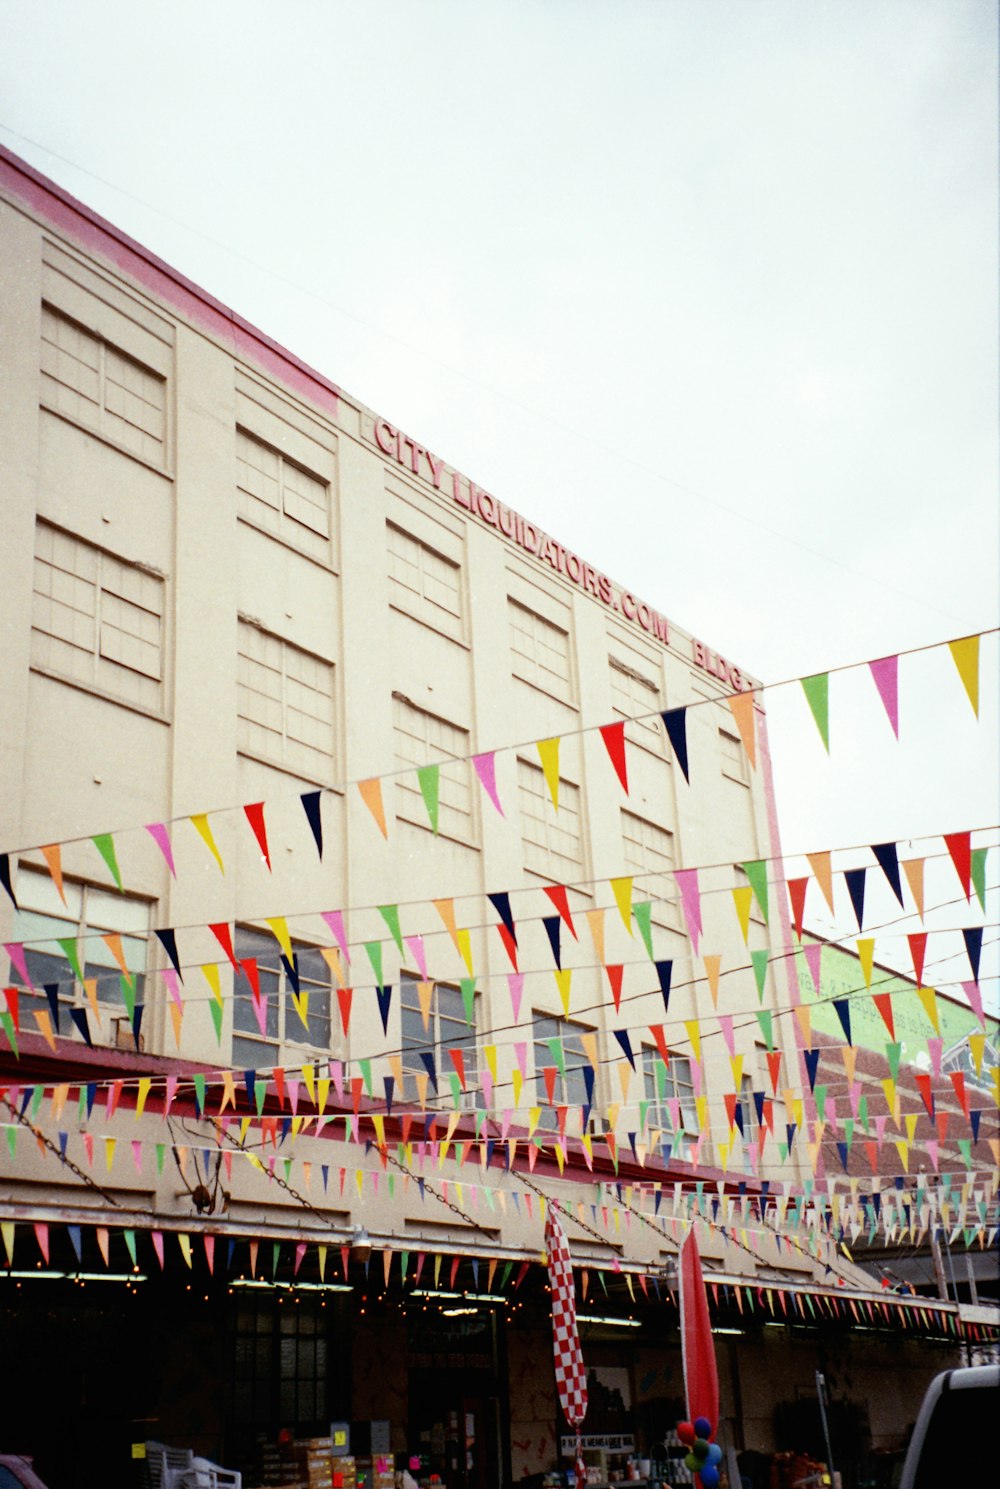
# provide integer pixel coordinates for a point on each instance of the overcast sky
(706, 288)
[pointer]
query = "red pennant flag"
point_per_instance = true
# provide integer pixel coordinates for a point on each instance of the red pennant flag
(557, 894)
(224, 936)
(797, 894)
(615, 975)
(661, 1042)
(701, 1381)
(255, 816)
(458, 1060)
(918, 947)
(958, 1081)
(614, 740)
(883, 1002)
(774, 1068)
(571, 1378)
(278, 1076)
(510, 945)
(345, 996)
(959, 845)
(923, 1083)
(550, 1073)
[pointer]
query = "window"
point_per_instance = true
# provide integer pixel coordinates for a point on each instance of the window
(423, 739)
(281, 1364)
(571, 1091)
(747, 1120)
(96, 620)
(540, 650)
(93, 383)
(670, 1091)
(281, 496)
(447, 1029)
(285, 704)
(88, 915)
(633, 694)
(424, 583)
(649, 852)
(734, 758)
(552, 840)
(294, 1004)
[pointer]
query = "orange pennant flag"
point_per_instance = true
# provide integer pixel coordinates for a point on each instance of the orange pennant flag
(913, 868)
(44, 1023)
(53, 857)
(965, 655)
(595, 923)
(712, 965)
(371, 795)
(113, 942)
(741, 706)
(176, 1014)
(446, 910)
(804, 1017)
(821, 867)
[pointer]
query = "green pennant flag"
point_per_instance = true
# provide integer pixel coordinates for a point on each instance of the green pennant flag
(979, 875)
(558, 1055)
(37, 1092)
(390, 914)
(817, 691)
(764, 1019)
(11, 1033)
(374, 950)
(198, 1081)
(260, 1094)
(863, 1112)
(892, 1054)
(215, 1009)
(365, 1066)
(643, 913)
(965, 1148)
(275, 1254)
(429, 778)
(505, 1274)
(128, 997)
(12, 1140)
(391, 1179)
(468, 986)
(71, 952)
(848, 1132)
(643, 1113)
(404, 1262)
(456, 1089)
(783, 1152)
(756, 873)
(288, 1169)
(105, 845)
(479, 1120)
(820, 1095)
(130, 1243)
(759, 960)
(161, 1153)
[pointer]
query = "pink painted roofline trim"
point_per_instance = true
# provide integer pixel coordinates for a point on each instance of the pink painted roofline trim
(94, 233)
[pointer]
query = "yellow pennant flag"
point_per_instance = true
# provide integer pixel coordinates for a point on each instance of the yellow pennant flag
(742, 709)
(145, 1085)
(723, 1151)
(371, 795)
(589, 1042)
(805, 1024)
(331, 956)
(701, 1112)
(463, 941)
(622, 891)
(563, 976)
(321, 1256)
(279, 927)
(517, 1084)
(624, 1078)
(965, 655)
(425, 992)
(694, 1034)
(534, 1117)
(7, 1231)
(614, 1107)
(866, 956)
(889, 1087)
(595, 924)
(903, 1149)
(378, 1122)
(928, 998)
(548, 753)
(110, 1144)
(736, 1063)
(911, 1120)
(913, 868)
(309, 1083)
(211, 973)
(742, 899)
(712, 965)
(185, 1245)
(560, 1152)
(977, 1044)
(823, 872)
(490, 1056)
(200, 824)
(176, 1015)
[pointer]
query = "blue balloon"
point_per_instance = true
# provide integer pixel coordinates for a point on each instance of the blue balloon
(702, 1427)
(714, 1453)
(709, 1476)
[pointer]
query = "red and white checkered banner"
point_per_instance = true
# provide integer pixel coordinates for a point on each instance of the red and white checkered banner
(571, 1378)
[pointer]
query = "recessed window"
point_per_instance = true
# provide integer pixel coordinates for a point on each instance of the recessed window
(669, 1088)
(96, 619)
(636, 696)
(285, 704)
(649, 853)
(447, 1029)
(421, 738)
(540, 651)
(553, 843)
(88, 380)
(568, 1090)
(734, 758)
(278, 494)
(424, 583)
(294, 1002)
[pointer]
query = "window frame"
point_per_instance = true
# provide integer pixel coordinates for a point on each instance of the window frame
(550, 821)
(666, 908)
(528, 669)
(317, 774)
(455, 774)
(649, 734)
(289, 529)
(417, 603)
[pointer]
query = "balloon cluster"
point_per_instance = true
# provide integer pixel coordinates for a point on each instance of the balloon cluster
(703, 1456)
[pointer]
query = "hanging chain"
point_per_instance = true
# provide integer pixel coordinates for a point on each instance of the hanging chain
(436, 1194)
(74, 1168)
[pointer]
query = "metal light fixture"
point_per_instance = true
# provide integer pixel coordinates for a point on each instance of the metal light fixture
(361, 1245)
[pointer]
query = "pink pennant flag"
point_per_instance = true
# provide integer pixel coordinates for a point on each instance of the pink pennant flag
(415, 945)
(687, 883)
(935, 1047)
(173, 986)
(885, 671)
(974, 994)
(335, 921)
(158, 832)
(486, 769)
(814, 952)
(15, 951)
(156, 1237)
(726, 1025)
(521, 1056)
(515, 982)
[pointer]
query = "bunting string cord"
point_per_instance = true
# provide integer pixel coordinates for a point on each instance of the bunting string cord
(63, 1158)
(440, 931)
(341, 787)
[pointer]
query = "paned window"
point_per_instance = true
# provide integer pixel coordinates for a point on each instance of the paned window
(670, 1091)
(424, 583)
(96, 619)
(285, 704)
(649, 852)
(423, 739)
(747, 1109)
(281, 496)
(632, 695)
(540, 651)
(293, 1009)
(426, 1046)
(54, 934)
(734, 758)
(93, 383)
(553, 843)
(570, 1090)
(280, 1365)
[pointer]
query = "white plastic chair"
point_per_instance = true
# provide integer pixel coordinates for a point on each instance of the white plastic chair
(203, 1474)
(165, 1466)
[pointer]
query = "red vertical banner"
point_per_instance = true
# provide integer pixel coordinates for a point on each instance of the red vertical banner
(701, 1380)
(571, 1378)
